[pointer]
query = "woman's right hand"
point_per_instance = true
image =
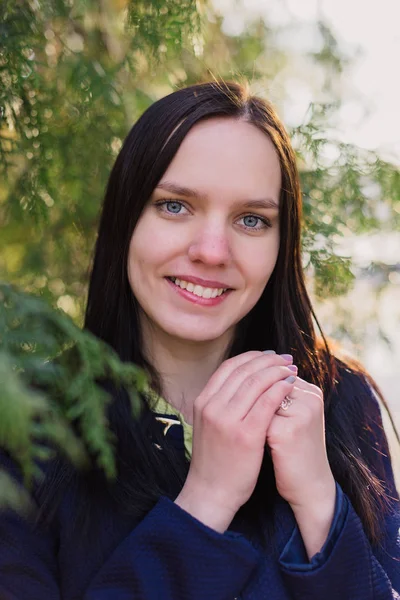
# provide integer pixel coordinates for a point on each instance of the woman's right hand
(231, 419)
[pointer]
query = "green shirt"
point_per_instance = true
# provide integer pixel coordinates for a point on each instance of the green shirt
(160, 406)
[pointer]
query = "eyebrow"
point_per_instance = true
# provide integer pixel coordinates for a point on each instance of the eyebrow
(181, 190)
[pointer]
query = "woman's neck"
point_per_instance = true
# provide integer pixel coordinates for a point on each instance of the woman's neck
(184, 366)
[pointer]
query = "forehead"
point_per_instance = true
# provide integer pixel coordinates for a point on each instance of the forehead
(227, 155)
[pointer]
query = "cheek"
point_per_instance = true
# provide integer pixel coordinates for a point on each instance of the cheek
(260, 273)
(149, 250)
(140, 256)
(260, 263)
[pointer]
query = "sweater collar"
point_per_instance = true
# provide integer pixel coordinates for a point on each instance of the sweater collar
(170, 416)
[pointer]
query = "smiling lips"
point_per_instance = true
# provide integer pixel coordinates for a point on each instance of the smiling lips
(208, 295)
(198, 290)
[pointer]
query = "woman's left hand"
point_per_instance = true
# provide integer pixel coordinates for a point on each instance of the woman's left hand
(296, 438)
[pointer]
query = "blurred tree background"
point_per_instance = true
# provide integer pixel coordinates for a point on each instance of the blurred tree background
(74, 77)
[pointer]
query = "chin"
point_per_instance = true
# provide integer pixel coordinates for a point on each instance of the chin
(195, 334)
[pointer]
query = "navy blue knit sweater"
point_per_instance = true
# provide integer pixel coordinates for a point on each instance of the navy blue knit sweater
(170, 555)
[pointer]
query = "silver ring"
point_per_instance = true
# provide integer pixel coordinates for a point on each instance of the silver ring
(286, 402)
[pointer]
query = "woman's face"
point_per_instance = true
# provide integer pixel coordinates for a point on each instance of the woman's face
(211, 224)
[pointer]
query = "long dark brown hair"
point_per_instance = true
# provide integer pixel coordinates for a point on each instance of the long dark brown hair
(283, 318)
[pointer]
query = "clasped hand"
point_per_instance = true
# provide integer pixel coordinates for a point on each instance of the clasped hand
(237, 413)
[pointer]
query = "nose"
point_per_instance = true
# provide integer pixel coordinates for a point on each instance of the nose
(210, 246)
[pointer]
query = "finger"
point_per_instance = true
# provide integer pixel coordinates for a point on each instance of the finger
(252, 387)
(305, 385)
(301, 401)
(222, 373)
(300, 391)
(226, 380)
(262, 411)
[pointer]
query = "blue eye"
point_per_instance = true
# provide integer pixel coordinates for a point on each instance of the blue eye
(255, 223)
(250, 221)
(178, 208)
(173, 207)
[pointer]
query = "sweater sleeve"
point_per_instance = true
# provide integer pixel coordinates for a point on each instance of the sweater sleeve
(353, 568)
(172, 552)
(169, 554)
(28, 565)
(294, 554)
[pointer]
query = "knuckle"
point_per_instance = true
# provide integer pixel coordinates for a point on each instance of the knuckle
(241, 371)
(216, 421)
(269, 400)
(199, 404)
(226, 367)
(208, 413)
(252, 381)
(228, 362)
(274, 359)
(282, 371)
(314, 389)
(282, 387)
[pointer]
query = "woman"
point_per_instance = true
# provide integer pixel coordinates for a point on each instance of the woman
(286, 490)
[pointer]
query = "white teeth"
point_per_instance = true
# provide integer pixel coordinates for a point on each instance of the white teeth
(198, 290)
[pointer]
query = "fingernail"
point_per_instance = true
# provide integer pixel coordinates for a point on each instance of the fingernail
(290, 379)
(292, 368)
(287, 357)
(269, 352)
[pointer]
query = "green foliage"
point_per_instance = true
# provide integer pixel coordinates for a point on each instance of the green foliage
(70, 86)
(162, 25)
(344, 188)
(51, 395)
